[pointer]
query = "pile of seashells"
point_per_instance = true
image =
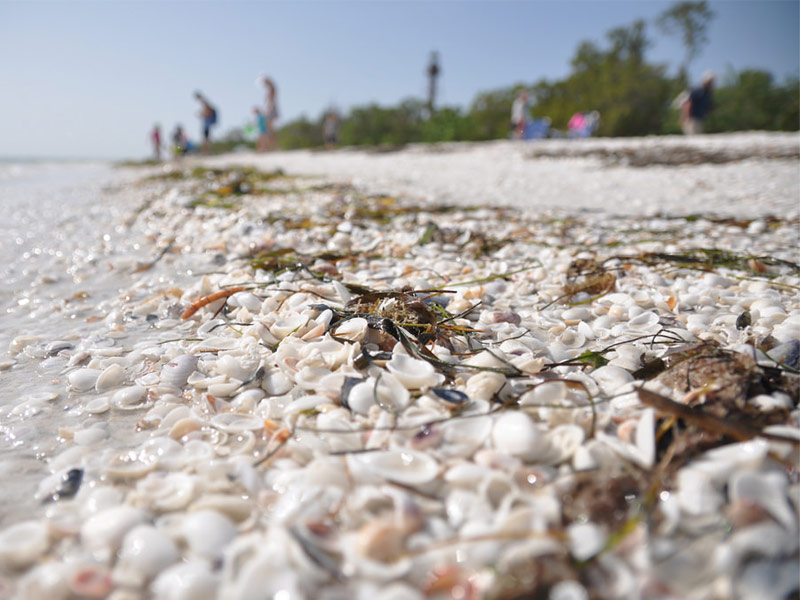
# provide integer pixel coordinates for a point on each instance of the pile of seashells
(315, 393)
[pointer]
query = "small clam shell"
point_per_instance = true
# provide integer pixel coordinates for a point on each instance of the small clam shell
(234, 422)
(236, 508)
(516, 434)
(283, 327)
(412, 373)
(484, 385)
(82, 380)
(184, 427)
(97, 406)
(177, 371)
(611, 378)
(402, 465)
(111, 377)
(23, 543)
(563, 441)
(130, 465)
(129, 397)
(216, 343)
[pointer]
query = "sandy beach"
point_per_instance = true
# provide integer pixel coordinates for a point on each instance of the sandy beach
(562, 369)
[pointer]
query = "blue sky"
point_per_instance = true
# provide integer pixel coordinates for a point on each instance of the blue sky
(89, 79)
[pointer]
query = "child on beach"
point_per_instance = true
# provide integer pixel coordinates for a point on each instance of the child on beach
(261, 127)
(155, 138)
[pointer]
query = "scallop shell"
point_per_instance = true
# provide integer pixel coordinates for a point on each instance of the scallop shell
(177, 371)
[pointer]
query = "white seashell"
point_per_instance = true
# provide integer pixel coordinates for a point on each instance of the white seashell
(586, 540)
(412, 373)
(644, 320)
(129, 397)
(209, 326)
(462, 437)
(353, 330)
(304, 403)
(234, 367)
(98, 499)
(145, 552)
(611, 378)
(82, 380)
(87, 437)
(309, 377)
(362, 397)
(224, 389)
(276, 384)
(23, 544)
(111, 377)
(45, 581)
(284, 327)
(190, 580)
(130, 465)
(165, 493)
(572, 338)
(402, 465)
(549, 392)
(97, 406)
(207, 532)
(516, 434)
(246, 299)
(484, 385)
(177, 371)
(696, 493)
(563, 441)
(390, 394)
(184, 427)
(568, 590)
(90, 581)
(19, 343)
(103, 532)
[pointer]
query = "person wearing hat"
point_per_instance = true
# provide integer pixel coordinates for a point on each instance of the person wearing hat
(698, 104)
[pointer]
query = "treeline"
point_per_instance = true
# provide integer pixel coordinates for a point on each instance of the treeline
(633, 96)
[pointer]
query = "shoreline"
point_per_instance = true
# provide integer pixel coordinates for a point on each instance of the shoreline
(255, 447)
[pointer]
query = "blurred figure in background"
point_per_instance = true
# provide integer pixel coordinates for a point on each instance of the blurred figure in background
(155, 138)
(261, 128)
(271, 112)
(208, 117)
(697, 105)
(330, 130)
(520, 113)
(179, 141)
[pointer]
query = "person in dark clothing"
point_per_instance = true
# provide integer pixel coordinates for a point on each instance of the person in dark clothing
(697, 106)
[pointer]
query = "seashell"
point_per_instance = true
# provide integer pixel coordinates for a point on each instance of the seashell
(361, 397)
(516, 434)
(165, 493)
(90, 436)
(611, 378)
(353, 330)
(484, 385)
(463, 437)
(145, 552)
(309, 377)
(380, 541)
(239, 443)
(563, 441)
(82, 380)
(97, 406)
(246, 299)
(23, 544)
(19, 343)
(405, 466)
(111, 377)
(91, 581)
(207, 532)
(190, 580)
(224, 389)
(286, 326)
(210, 326)
(454, 397)
(184, 427)
(412, 373)
(103, 532)
(586, 539)
(572, 338)
(177, 371)
(276, 384)
(130, 465)
(99, 498)
(45, 581)
(568, 590)
(549, 392)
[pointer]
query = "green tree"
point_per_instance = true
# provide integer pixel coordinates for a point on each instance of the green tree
(690, 20)
(750, 100)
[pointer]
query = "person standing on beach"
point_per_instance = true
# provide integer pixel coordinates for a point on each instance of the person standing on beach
(208, 116)
(520, 112)
(330, 130)
(155, 138)
(697, 105)
(271, 111)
